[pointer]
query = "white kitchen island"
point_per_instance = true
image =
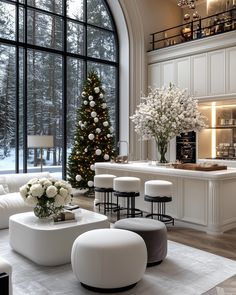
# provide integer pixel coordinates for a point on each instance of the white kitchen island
(201, 200)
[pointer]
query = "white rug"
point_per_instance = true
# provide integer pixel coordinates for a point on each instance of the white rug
(185, 271)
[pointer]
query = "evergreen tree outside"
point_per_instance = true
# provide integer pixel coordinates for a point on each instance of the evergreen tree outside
(93, 139)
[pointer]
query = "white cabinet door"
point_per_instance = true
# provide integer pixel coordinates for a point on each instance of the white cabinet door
(199, 75)
(231, 70)
(183, 73)
(216, 72)
(154, 75)
(167, 73)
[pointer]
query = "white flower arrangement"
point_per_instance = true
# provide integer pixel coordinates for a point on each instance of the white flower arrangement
(165, 113)
(47, 192)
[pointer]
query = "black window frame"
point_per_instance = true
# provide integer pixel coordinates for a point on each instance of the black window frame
(65, 54)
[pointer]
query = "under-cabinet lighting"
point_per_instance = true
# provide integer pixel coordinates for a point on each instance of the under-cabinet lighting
(213, 131)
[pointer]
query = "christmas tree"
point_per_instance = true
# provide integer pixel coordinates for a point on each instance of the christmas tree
(93, 139)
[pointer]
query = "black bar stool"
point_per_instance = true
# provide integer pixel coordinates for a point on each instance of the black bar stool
(128, 188)
(103, 183)
(160, 192)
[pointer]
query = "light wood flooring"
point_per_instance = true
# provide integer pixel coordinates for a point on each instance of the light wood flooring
(223, 245)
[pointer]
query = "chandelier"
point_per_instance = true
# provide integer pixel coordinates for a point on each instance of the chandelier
(189, 3)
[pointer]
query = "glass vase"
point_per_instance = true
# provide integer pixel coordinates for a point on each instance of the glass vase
(43, 211)
(162, 146)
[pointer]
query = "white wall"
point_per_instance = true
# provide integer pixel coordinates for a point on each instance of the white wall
(136, 20)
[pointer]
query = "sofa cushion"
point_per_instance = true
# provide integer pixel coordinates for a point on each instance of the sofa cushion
(3, 183)
(10, 204)
(15, 181)
(2, 190)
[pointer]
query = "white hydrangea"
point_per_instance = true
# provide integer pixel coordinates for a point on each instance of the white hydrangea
(51, 191)
(36, 190)
(24, 191)
(46, 191)
(63, 192)
(90, 97)
(31, 201)
(101, 95)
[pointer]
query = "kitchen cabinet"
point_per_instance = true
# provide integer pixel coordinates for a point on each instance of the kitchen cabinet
(231, 70)
(199, 75)
(216, 72)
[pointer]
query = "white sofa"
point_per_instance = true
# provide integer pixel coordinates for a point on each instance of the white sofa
(11, 201)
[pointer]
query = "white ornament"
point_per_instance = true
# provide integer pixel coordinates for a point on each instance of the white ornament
(95, 119)
(106, 157)
(85, 102)
(90, 97)
(90, 183)
(96, 89)
(80, 122)
(98, 130)
(98, 152)
(105, 124)
(85, 150)
(108, 135)
(83, 94)
(104, 105)
(92, 103)
(92, 167)
(91, 136)
(101, 95)
(93, 114)
(78, 177)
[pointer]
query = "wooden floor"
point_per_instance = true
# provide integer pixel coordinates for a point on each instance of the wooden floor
(223, 245)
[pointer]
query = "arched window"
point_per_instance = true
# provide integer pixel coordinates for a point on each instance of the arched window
(46, 49)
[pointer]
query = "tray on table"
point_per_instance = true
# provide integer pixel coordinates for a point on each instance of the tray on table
(200, 167)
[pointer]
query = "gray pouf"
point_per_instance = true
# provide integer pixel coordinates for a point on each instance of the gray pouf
(154, 234)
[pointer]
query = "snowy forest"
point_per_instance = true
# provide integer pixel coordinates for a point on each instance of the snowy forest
(59, 41)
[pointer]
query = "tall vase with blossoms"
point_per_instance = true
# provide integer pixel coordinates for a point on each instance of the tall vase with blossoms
(47, 195)
(165, 113)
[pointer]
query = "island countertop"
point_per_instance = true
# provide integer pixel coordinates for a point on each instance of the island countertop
(151, 167)
(203, 200)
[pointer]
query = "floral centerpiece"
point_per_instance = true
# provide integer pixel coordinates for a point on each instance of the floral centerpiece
(47, 195)
(165, 113)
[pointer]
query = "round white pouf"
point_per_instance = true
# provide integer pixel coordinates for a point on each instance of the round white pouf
(109, 260)
(104, 180)
(126, 184)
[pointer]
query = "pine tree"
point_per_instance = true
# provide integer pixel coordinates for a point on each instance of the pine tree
(93, 139)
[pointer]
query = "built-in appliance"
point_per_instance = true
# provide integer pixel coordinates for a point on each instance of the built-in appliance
(186, 147)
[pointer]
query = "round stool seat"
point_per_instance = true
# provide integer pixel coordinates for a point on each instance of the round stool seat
(109, 260)
(158, 188)
(104, 180)
(126, 184)
(154, 234)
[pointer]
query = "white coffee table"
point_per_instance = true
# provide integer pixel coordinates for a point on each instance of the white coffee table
(48, 243)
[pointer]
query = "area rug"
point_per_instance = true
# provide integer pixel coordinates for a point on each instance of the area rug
(227, 287)
(185, 271)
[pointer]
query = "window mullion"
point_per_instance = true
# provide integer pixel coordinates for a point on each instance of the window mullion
(25, 129)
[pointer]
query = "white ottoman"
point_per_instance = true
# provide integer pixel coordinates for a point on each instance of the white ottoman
(109, 260)
(5, 277)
